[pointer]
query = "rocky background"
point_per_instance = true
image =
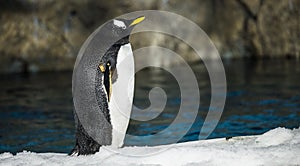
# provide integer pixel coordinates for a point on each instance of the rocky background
(46, 35)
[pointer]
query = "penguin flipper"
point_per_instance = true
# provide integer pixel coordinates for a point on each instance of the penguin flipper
(85, 145)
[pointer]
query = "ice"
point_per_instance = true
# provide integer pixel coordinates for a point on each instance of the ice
(279, 146)
(275, 137)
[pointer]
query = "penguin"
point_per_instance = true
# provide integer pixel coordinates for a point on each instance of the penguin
(108, 46)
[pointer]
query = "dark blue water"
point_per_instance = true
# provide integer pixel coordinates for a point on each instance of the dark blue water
(36, 110)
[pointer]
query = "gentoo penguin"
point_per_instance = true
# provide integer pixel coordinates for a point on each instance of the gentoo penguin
(94, 76)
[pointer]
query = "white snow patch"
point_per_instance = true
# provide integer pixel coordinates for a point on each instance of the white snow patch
(275, 137)
(282, 149)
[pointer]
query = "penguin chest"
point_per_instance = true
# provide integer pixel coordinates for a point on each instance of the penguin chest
(122, 95)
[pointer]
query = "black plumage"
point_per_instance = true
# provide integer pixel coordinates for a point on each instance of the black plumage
(97, 59)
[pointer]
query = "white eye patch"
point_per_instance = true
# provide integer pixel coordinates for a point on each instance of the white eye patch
(120, 24)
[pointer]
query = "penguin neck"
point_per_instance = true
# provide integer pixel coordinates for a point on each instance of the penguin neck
(113, 50)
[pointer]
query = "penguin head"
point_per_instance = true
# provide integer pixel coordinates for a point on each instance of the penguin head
(118, 31)
(121, 28)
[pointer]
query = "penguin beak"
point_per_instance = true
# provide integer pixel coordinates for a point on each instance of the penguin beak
(137, 20)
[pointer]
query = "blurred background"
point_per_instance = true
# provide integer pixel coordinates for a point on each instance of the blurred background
(258, 40)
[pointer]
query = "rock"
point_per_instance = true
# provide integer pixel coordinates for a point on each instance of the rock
(47, 35)
(279, 28)
(253, 5)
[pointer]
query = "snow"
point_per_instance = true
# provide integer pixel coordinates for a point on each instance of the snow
(282, 135)
(279, 146)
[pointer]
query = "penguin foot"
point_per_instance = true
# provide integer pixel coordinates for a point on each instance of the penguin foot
(75, 151)
(86, 149)
(85, 145)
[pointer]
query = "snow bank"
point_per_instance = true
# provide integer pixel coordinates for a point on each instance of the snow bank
(277, 147)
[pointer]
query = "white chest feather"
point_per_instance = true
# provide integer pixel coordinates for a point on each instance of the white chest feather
(122, 95)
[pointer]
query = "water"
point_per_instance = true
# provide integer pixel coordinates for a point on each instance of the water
(36, 110)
